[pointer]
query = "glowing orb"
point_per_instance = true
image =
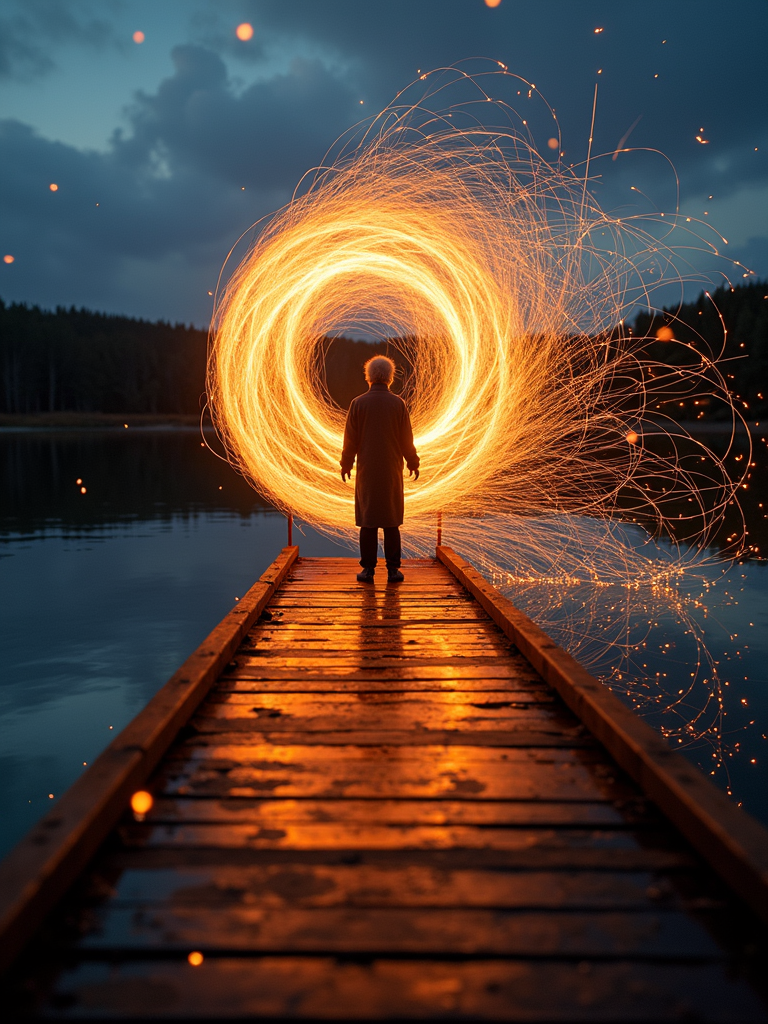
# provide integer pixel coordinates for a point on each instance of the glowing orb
(665, 334)
(633, 437)
(553, 143)
(244, 32)
(141, 802)
(492, 3)
(9, 259)
(138, 37)
(53, 187)
(195, 958)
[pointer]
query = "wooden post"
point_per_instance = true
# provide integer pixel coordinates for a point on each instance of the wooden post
(439, 528)
(290, 529)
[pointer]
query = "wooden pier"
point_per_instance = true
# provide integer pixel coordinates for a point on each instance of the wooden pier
(386, 802)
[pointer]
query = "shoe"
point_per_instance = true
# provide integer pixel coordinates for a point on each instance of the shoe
(394, 576)
(366, 576)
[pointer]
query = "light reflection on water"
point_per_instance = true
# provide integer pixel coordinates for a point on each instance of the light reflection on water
(105, 594)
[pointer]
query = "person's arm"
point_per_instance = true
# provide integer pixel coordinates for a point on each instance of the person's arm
(351, 442)
(407, 448)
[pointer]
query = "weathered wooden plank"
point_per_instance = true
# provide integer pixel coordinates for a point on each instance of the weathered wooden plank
(212, 731)
(422, 636)
(343, 835)
(272, 812)
(522, 990)
(465, 611)
(376, 617)
(658, 933)
(494, 706)
(520, 689)
(351, 592)
(501, 671)
(423, 603)
(435, 759)
(536, 858)
(351, 652)
(325, 771)
(394, 658)
(500, 702)
(302, 713)
(371, 647)
(273, 886)
(730, 840)
(41, 867)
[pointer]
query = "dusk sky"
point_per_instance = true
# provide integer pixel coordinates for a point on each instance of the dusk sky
(165, 150)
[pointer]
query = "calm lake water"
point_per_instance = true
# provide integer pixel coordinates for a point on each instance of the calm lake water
(104, 593)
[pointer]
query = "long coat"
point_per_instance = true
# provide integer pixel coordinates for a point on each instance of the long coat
(378, 433)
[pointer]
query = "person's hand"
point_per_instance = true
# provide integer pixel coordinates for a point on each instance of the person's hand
(344, 474)
(414, 473)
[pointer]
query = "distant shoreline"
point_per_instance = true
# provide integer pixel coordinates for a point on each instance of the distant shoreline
(100, 421)
(50, 421)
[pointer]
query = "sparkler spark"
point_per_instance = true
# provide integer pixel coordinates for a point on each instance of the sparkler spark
(501, 282)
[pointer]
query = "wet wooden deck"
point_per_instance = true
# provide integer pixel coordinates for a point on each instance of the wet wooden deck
(381, 810)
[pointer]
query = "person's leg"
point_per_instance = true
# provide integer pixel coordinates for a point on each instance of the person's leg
(392, 547)
(369, 543)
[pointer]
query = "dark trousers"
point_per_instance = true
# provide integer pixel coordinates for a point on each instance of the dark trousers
(369, 545)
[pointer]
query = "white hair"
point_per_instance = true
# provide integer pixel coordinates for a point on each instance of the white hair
(380, 370)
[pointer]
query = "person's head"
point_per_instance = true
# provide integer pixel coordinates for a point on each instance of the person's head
(380, 370)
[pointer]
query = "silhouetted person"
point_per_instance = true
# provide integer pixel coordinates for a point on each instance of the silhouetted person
(378, 433)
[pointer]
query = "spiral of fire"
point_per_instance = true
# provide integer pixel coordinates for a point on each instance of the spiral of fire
(503, 286)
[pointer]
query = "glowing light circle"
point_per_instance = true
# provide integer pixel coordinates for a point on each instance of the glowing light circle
(244, 32)
(501, 282)
(417, 272)
(537, 412)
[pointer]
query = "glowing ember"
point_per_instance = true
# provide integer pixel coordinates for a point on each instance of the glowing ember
(53, 187)
(633, 437)
(139, 37)
(665, 334)
(492, 3)
(553, 143)
(195, 958)
(244, 32)
(9, 259)
(141, 804)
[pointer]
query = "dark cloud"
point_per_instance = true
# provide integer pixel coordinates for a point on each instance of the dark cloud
(30, 31)
(169, 186)
(710, 69)
(169, 191)
(264, 137)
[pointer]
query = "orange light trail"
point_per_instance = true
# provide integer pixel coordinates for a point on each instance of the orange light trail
(504, 286)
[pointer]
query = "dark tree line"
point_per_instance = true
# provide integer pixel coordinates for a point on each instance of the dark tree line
(73, 360)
